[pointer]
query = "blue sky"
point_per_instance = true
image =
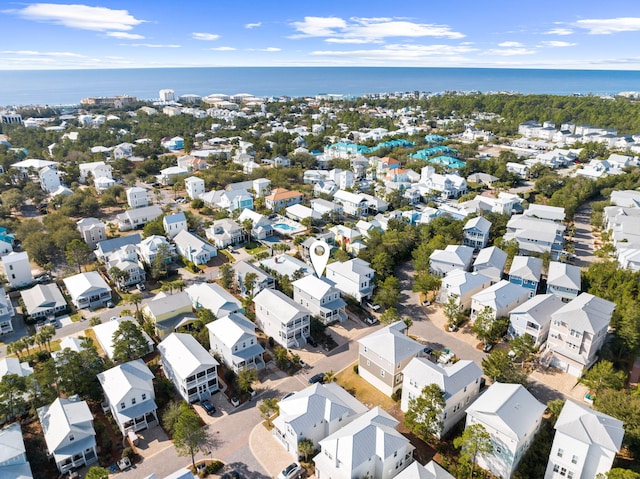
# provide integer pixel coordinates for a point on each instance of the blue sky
(499, 33)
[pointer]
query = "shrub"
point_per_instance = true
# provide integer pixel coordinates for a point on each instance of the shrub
(272, 342)
(397, 395)
(128, 452)
(214, 467)
(355, 368)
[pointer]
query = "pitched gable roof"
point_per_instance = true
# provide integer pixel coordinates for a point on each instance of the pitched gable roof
(590, 427)
(391, 343)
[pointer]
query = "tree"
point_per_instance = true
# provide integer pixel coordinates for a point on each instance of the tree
(159, 262)
(424, 416)
(77, 253)
(189, 434)
(249, 283)
(555, 408)
(474, 442)
(498, 366)
(626, 407)
(408, 322)
(523, 348)
(226, 276)
(170, 416)
(11, 401)
(602, 375)
(97, 472)
(424, 282)
(246, 378)
(329, 376)
(487, 328)
(45, 335)
(136, 299)
(118, 275)
(619, 473)
(268, 407)
(388, 294)
(389, 316)
(77, 370)
(306, 448)
(453, 310)
(129, 342)
(382, 263)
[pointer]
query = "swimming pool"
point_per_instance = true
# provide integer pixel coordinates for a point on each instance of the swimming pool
(288, 228)
(284, 227)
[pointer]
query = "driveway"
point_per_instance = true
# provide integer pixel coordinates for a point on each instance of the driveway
(583, 236)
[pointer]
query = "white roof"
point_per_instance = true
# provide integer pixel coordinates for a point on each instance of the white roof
(552, 213)
(213, 297)
(500, 294)
(479, 223)
(564, 275)
(431, 470)
(104, 334)
(450, 379)
(526, 267)
(459, 282)
(586, 312)
(11, 443)
(232, 329)
(281, 305)
(454, 254)
(33, 163)
(590, 427)
(84, 283)
(64, 417)
(491, 256)
(14, 366)
(186, 240)
(185, 354)
(352, 269)
(285, 264)
(391, 343)
(508, 408)
(314, 286)
(119, 380)
(539, 308)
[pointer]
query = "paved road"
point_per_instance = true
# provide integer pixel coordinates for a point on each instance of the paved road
(583, 237)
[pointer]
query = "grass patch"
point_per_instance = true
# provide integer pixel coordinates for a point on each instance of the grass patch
(76, 317)
(55, 345)
(258, 250)
(363, 391)
(227, 254)
(89, 333)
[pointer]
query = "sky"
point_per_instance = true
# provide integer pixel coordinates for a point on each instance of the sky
(569, 34)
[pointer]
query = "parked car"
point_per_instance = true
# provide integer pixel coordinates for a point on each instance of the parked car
(141, 286)
(375, 307)
(292, 471)
(251, 391)
(370, 320)
(312, 341)
(208, 407)
(317, 378)
(110, 304)
(487, 347)
(302, 364)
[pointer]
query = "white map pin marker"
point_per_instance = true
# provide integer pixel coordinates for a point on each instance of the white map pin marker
(319, 253)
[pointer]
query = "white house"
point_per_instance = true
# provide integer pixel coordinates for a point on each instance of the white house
(42, 300)
(369, 446)
(320, 297)
(476, 233)
(260, 224)
(13, 454)
(354, 277)
(281, 198)
(511, 416)
(129, 391)
(168, 176)
(460, 383)
(104, 334)
(286, 265)
(225, 232)
(49, 179)
(278, 316)
(88, 290)
(490, 262)
(137, 218)
(533, 317)
(67, 425)
(213, 297)
(578, 331)
(383, 355)
(6, 315)
(462, 285)
(95, 169)
(137, 197)
(174, 223)
(14, 366)
(525, 271)
(501, 298)
(535, 235)
(193, 371)
(448, 185)
(314, 413)
(585, 444)
(194, 248)
(563, 280)
(149, 248)
(261, 280)
(233, 338)
(352, 204)
(194, 187)
(431, 470)
(92, 231)
(450, 258)
(17, 269)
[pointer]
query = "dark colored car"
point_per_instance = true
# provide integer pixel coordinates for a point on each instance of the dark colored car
(312, 341)
(208, 407)
(316, 378)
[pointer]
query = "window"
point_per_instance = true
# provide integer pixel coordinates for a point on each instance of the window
(133, 401)
(382, 372)
(574, 459)
(498, 449)
(563, 471)
(556, 468)
(560, 452)
(71, 438)
(144, 396)
(570, 474)
(122, 405)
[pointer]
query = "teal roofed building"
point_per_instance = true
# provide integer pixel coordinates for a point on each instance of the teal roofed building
(432, 138)
(434, 150)
(447, 161)
(344, 149)
(398, 143)
(6, 241)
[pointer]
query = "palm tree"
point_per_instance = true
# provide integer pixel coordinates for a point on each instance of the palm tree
(179, 284)
(329, 376)
(136, 299)
(248, 227)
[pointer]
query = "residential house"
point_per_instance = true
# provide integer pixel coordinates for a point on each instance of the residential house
(230, 200)
(545, 212)
(193, 371)
(174, 223)
(67, 425)
(213, 297)
(194, 187)
(500, 298)
(450, 258)
(563, 280)
(137, 218)
(352, 204)
(278, 316)
(168, 312)
(261, 280)
(93, 231)
(234, 340)
(306, 245)
(193, 248)
(49, 179)
(347, 237)
(585, 443)
(321, 207)
(281, 198)
(313, 414)
(192, 163)
(512, 417)
(286, 265)
(6, 241)
(321, 297)
(490, 262)
(88, 290)
(578, 331)
(104, 334)
(6, 314)
(225, 232)
(260, 224)
(525, 271)
(460, 383)
(42, 300)
(13, 454)
(137, 197)
(384, 354)
(129, 391)
(126, 262)
(461, 286)
(14, 366)
(153, 245)
(260, 186)
(17, 269)
(447, 185)
(536, 236)
(111, 249)
(533, 317)
(354, 277)
(476, 233)
(173, 144)
(431, 470)
(369, 446)
(168, 176)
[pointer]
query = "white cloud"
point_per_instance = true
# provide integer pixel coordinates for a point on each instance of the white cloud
(205, 36)
(556, 44)
(83, 17)
(607, 26)
(253, 25)
(510, 44)
(368, 30)
(125, 36)
(268, 49)
(149, 45)
(42, 54)
(222, 49)
(560, 31)
(399, 52)
(508, 52)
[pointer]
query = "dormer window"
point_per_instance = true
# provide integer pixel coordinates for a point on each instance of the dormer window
(71, 437)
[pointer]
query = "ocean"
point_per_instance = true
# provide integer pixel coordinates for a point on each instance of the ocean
(58, 87)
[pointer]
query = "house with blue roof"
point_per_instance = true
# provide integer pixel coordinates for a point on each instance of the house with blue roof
(447, 161)
(433, 138)
(6, 241)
